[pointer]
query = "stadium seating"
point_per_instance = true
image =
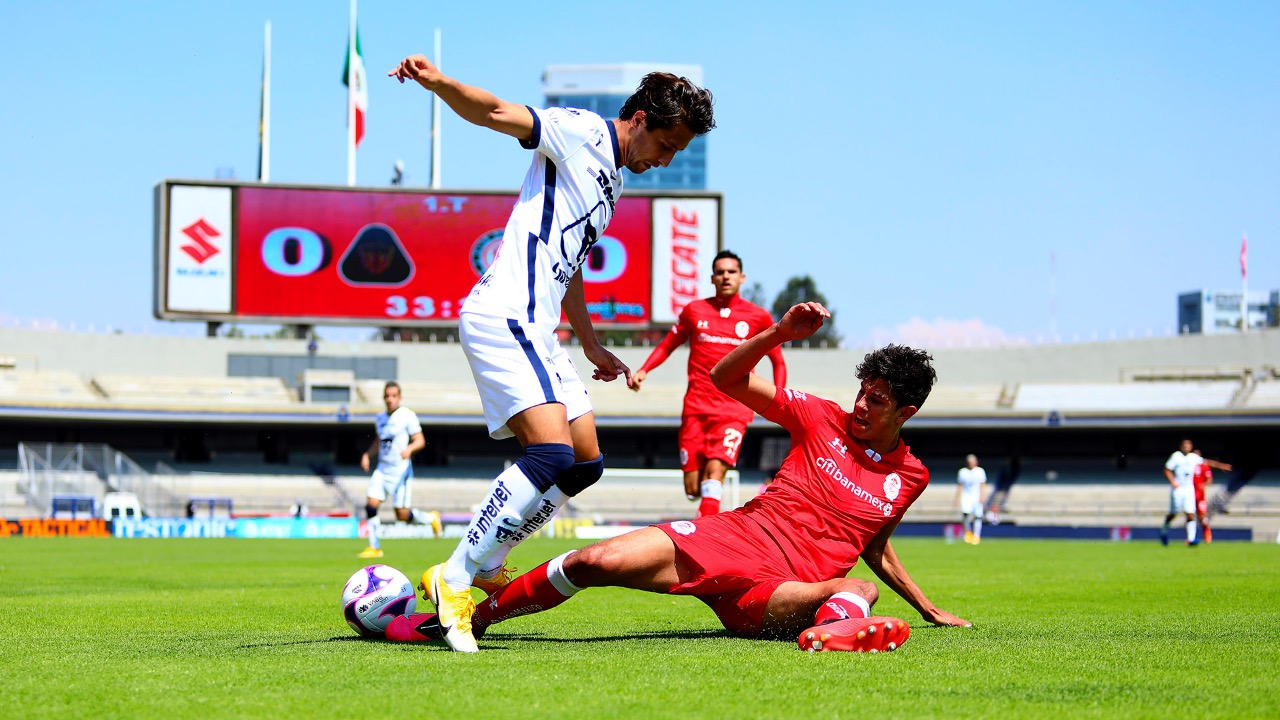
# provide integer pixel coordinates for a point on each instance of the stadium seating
(162, 391)
(1127, 397)
(46, 386)
(434, 398)
(1264, 395)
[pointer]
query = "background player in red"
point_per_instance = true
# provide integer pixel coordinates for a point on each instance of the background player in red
(778, 564)
(712, 424)
(1203, 476)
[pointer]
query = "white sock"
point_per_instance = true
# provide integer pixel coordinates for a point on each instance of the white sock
(555, 574)
(543, 511)
(1191, 531)
(375, 528)
(712, 489)
(858, 600)
(418, 517)
(511, 496)
(977, 527)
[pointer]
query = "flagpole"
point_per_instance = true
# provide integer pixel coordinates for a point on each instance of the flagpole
(264, 121)
(1244, 281)
(435, 127)
(351, 99)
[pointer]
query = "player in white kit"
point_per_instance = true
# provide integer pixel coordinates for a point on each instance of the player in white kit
(398, 435)
(1180, 471)
(971, 483)
(528, 386)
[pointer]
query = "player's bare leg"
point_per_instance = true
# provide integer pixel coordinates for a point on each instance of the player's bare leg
(839, 612)
(374, 525)
(693, 484)
(795, 606)
(712, 486)
(419, 517)
(643, 559)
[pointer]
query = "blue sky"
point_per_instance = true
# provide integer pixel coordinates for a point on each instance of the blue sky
(923, 161)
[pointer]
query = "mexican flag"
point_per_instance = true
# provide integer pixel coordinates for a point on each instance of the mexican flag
(353, 76)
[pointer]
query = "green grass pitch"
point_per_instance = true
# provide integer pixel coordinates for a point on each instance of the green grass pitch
(252, 628)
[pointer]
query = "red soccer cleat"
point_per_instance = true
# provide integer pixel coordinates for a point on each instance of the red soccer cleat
(418, 627)
(873, 634)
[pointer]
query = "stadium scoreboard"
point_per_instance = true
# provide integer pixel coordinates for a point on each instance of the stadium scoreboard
(321, 255)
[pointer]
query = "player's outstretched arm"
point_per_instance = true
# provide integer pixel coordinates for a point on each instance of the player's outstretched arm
(608, 366)
(476, 106)
(673, 339)
(733, 376)
(884, 562)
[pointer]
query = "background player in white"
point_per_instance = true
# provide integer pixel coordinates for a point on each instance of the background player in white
(1180, 471)
(528, 386)
(971, 483)
(398, 435)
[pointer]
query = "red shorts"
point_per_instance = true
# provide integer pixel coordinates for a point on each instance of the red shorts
(1202, 507)
(735, 567)
(709, 437)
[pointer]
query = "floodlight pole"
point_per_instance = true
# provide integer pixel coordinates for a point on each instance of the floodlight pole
(435, 127)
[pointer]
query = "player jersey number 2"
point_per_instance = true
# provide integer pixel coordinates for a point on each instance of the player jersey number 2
(732, 439)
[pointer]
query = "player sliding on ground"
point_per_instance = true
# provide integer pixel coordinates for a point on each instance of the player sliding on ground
(528, 385)
(777, 566)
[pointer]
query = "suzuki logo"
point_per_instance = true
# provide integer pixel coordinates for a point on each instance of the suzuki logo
(200, 248)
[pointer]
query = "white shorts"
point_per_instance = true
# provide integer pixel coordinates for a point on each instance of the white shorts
(970, 505)
(517, 366)
(1182, 500)
(395, 485)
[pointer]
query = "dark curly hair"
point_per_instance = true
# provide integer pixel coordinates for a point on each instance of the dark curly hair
(727, 255)
(669, 100)
(908, 371)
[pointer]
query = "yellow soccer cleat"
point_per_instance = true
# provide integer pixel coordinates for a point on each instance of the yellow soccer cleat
(454, 608)
(437, 528)
(370, 552)
(491, 586)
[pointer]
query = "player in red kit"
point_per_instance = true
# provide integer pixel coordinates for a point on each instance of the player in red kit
(776, 566)
(712, 424)
(1203, 476)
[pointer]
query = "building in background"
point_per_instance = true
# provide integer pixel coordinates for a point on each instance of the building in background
(1218, 311)
(602, 90)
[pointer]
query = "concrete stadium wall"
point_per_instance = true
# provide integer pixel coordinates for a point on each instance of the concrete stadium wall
(91, 353)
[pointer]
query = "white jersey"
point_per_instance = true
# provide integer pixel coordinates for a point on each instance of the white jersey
(394, 432)
(565, 204)
(1183, 466)
(971, 481)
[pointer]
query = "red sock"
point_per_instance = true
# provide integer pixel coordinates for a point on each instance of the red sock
(530, 593)
(841, 606)
(708, 506)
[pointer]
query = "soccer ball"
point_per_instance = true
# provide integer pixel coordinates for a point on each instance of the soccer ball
(373, 596)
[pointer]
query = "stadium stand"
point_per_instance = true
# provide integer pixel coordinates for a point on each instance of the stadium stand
(169, 391)
(54, 387)
(1127, 397)
(183, 401)
(1264, 395)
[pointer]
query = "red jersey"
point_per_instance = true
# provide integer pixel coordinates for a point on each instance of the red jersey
(1203, 476)
(832, 494)
(714, 328)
